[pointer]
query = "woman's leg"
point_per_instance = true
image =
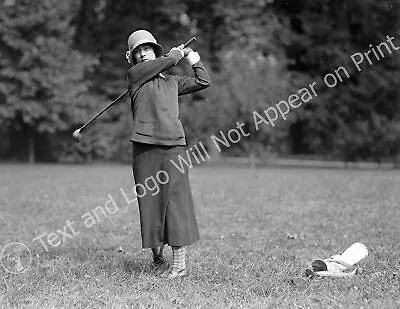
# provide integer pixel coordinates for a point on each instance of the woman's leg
(178, 261)
(178, 267)
(158, 257)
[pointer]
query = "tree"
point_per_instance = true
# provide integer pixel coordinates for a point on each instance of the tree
(249, 74)
(41, 75)
(344, 120)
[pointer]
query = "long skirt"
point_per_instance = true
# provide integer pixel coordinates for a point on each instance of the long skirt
(166, 208)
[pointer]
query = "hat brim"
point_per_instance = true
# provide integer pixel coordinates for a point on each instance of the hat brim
(158, 50)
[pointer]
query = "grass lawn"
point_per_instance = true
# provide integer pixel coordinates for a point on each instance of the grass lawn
(259, 232)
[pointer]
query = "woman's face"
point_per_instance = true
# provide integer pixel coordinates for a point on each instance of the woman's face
(144, 52)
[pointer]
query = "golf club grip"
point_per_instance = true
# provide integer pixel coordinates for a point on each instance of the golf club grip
(189, 42)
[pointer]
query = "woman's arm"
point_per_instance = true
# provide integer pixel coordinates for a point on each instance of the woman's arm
(144, 71)
(201, 80)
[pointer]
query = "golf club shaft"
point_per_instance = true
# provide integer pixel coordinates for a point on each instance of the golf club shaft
(81, 129)
(102, 111)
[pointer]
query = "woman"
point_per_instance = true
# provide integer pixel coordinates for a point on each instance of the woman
(167, 217)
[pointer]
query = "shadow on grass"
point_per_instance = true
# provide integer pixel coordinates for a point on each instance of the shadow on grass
(86, 261)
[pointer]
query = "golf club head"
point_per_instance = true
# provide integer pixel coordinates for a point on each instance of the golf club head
(77, 135)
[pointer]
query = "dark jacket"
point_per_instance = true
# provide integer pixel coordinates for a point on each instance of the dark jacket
(155, 104)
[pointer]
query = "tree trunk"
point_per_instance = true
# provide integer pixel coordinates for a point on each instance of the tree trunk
(252, 159)
(213, 151)
(250, 149)
(396, 162)
(31, 146)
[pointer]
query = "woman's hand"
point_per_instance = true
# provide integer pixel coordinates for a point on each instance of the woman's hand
(186, 50)
(191, 56)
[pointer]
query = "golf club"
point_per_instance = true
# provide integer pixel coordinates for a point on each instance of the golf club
(77, 135)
